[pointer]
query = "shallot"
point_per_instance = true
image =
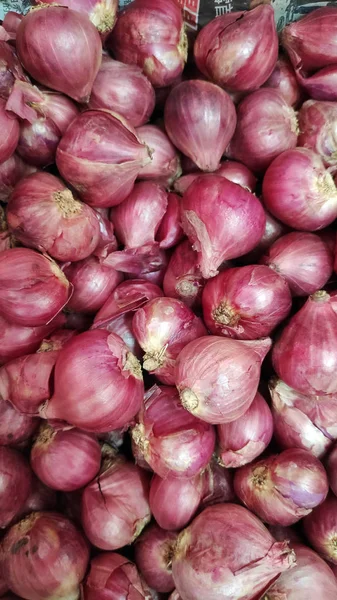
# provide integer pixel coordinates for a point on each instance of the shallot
(16, 483)
(320, 527)
(174, 501)
(164, 167)
(153, 555)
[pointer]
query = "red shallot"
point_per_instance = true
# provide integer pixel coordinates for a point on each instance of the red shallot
(320, 528)
(153, 555)
(107, 241)
(65, 460)
(164, 167)
(283, 488)
(222, 221)
(115, 506)
(11, 172)
(305, 355)
(98, 383)
(170, 232)
(102, 13)
(217, 377)
(44, 556)
(183, 279)
(123, 89)
(299, 191)
(245, 302)
(113, 574)
(218, 485)
(283, 79)
(162, 328)
(40, 498)
(174, 501)
(26, 381)
(16, 483)
(33, 289)
(230, 169)
(137, 219)
(101, 156)
(227, 553)
(15, 427)
(303, 259)
(318, 129)
(243, 440)
(300, 421)
(93, 282)
(151, 34)
(43, 213)
(10, 132)
(238, 50)
(266, 126)
(200, 119)
(61, 49)
(173, 442)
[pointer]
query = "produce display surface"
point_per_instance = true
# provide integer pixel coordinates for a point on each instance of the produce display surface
(168, 300)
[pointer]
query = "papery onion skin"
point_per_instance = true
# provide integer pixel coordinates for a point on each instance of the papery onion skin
(16, 340)
(107, 242)
(65, 460)
(303, 259)
(218, 485)
(115, 507)
(227, 552)
(331, 466)
(170, 232)
(306, 580)
(11, 171)
(162, 328)
(101, 13)
(311, 41)
(239, 50)
(113, 574)
(137, 219)
(93, 283)
(183, 279)
(127, 297)
(11, 69)
(43, 213)
(16, 484)
(301, 421)
(318, 129)
(173, 442)
(266, 126)
(123, 89)
(174, 501)
(283, 488)
(299, 191)
(41, 36)
(153, 555)
(212, 210)
(245, 302)
(15, 427)
(164, 167)
(122, 326)
(299, 344)
(26, 381)
(320, 528)
(217, 378)
(243, 440)
(283, 79)
(98, 383)
(44, 556)
(205, 137)
(103, 171)
(10, 132)
(33, 288)
(152, 35)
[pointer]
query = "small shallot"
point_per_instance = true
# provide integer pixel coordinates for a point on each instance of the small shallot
(15, 487)
(299, 191)
(162, 328)
(183, 279)
(11, 171)
(217, 377)
(305, 355)
(227, 553)
(283, 488)
(243, 440)
(320, 528)
(303, 259)
(222, 221)
(65, 460)
(174, 501)
(318, 129)
(153, 555)
(115, 506)
(170, 232)
(245, 302)
(164, 167)
(173, 442)
(123, 89)
(218, 485)
(101, 156)
(204, 137)
(283, 79)
(15, 427)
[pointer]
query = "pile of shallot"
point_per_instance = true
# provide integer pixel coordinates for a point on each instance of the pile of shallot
(168, 304)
